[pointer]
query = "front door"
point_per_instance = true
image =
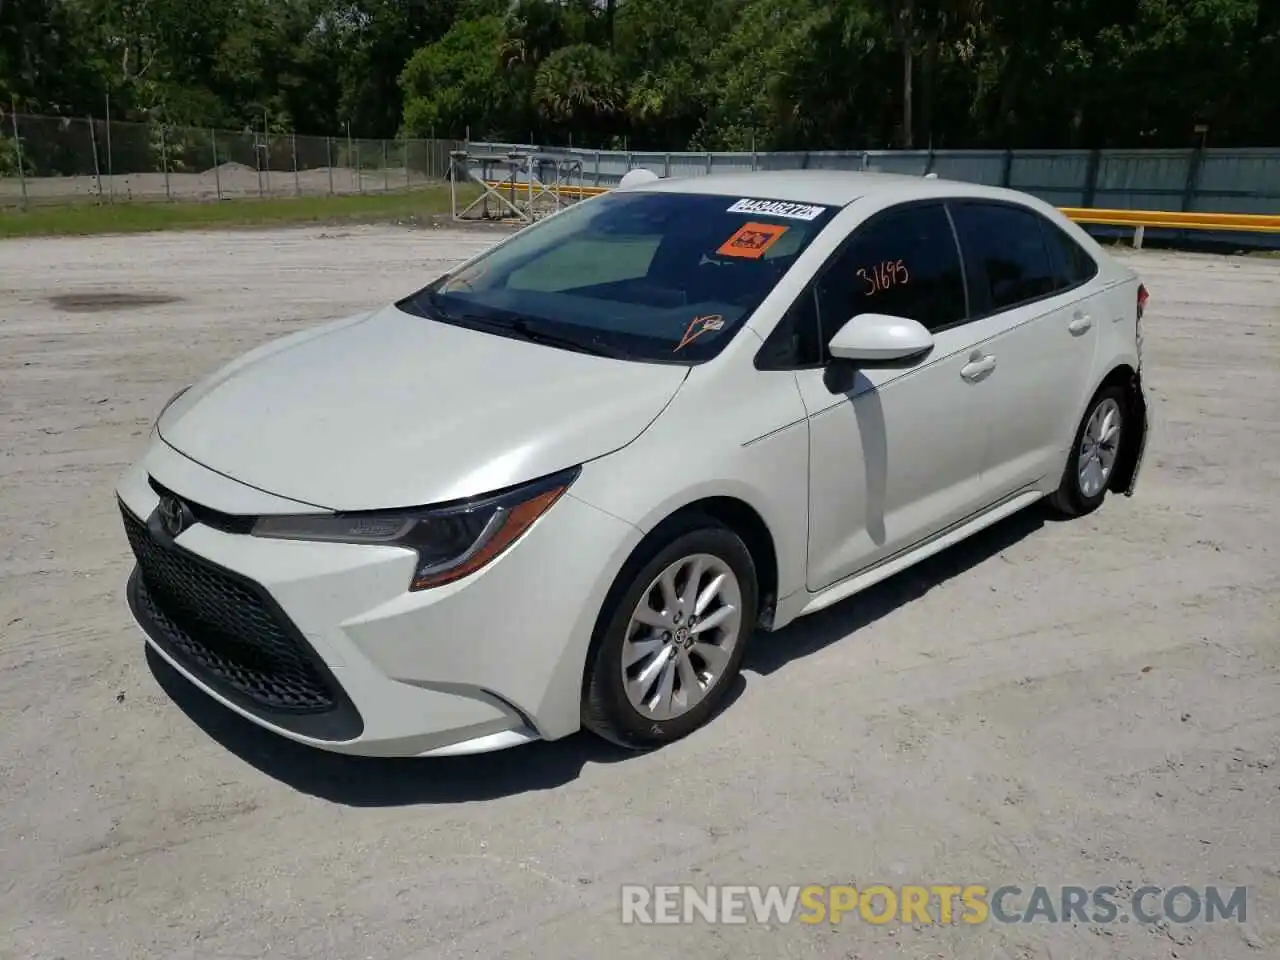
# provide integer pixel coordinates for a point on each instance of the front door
(895, 454)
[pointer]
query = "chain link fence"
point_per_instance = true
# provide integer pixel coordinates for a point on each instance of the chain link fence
(59, 160)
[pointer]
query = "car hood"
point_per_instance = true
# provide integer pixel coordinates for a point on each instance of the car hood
(392, 410)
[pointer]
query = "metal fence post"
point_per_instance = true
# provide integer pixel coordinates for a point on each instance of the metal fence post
(708, 161)
(1091, 178)
(597, 168)
(297, 183)
(359, 170)
(217, 174)
(111, 173)
(404, 150)
(97, 168)
(164, 160)
(1194, 165)
(266, 150)
(386, 173)
(350, 155)
(17, 144)
(1006, 171)
(328, 161)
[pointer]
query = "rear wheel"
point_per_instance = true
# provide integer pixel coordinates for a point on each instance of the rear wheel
(671, 643)
(1093, 456)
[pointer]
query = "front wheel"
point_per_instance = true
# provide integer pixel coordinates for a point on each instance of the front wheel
(1093, 456)
(672, 642)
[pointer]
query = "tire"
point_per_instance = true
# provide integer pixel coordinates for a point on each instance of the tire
(607, 708)
(1074, 498)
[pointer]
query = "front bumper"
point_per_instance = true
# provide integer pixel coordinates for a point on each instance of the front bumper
(322, 642)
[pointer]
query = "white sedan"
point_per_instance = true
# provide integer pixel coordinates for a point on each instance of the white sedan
(567, 483)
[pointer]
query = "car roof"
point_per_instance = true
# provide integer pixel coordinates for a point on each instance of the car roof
(826, 187)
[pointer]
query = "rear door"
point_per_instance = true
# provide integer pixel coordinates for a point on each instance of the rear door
(1027, 292)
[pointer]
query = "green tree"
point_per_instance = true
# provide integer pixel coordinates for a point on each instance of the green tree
(460, 82)
(579, 88)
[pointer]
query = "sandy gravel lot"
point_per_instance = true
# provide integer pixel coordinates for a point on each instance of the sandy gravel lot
(1095, 702)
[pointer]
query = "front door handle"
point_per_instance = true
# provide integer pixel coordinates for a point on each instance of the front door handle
(978, 367)
(1080, 323)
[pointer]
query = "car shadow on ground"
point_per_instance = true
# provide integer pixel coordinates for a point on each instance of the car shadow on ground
(373, 782)
(811, 634)
(379, 782)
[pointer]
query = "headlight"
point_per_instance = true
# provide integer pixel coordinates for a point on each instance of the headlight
(170, 402)
(451, 541)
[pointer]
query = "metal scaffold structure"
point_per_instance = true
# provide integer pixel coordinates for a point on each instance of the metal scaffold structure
(516, 187)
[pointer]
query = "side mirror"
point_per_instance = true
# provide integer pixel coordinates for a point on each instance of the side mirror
(879, 340)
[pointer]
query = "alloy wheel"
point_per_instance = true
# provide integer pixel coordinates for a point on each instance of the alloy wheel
(681, 636)
(1099, 446)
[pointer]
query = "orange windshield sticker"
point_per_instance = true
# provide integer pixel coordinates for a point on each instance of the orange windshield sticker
(698, 326)
(752, 240)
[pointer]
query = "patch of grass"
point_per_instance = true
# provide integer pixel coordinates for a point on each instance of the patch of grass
(87, 219)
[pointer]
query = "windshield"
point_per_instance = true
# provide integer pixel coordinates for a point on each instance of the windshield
(659, 277)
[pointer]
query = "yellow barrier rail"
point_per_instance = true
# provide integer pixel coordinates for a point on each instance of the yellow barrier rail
(549, 189)
(1175, 220)
(1138, 219)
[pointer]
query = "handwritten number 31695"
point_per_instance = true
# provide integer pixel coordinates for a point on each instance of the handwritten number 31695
(883, 276)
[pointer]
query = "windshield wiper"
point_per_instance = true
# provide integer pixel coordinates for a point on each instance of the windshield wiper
(526, 329)
(536, 332)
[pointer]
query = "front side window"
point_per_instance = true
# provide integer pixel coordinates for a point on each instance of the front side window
(651, 276)
(1005, 251)
(903, 262)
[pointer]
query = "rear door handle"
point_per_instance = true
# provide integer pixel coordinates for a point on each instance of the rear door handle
(978, 367)
(1080, 323)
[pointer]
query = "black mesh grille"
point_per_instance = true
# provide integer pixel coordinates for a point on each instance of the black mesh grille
(219, 627)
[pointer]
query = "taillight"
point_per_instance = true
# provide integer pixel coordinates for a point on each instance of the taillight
(1142, 299)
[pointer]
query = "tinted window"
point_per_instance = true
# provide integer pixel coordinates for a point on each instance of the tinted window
(797, 339)
(1071, 264)
(646, 275)
(1006, 255)
(903, 263)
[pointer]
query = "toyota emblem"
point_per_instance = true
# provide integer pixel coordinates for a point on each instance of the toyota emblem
(174, 516)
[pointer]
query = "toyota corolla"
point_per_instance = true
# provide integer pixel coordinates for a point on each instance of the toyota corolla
(567, 483)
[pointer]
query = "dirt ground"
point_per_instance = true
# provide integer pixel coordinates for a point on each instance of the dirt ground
(1095, 702)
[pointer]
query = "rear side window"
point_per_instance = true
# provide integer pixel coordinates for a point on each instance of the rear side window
(1072, 265)
(1006, 255)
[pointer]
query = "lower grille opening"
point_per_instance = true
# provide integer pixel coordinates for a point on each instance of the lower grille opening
(227, 630)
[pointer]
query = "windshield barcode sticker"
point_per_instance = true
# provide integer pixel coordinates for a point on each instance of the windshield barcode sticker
(778, 208)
